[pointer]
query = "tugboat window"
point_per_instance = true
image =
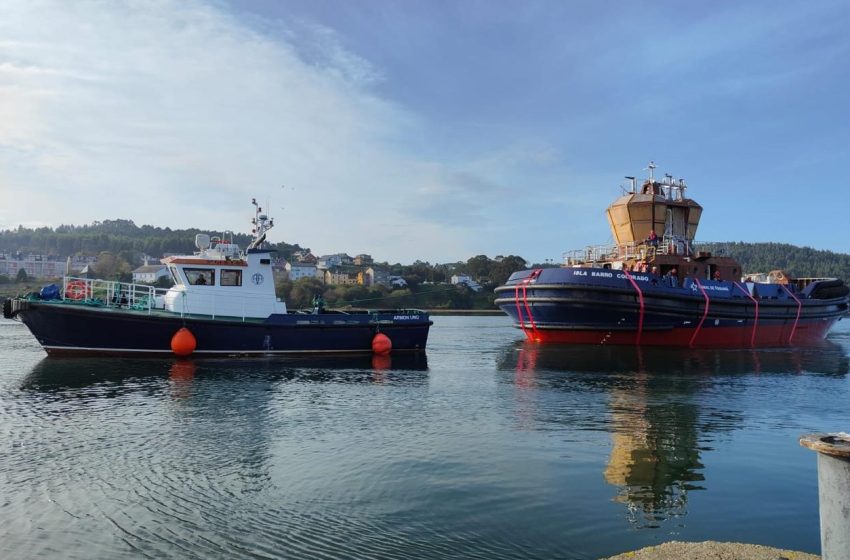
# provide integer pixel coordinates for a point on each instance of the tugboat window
(231, 277)
(200, 276)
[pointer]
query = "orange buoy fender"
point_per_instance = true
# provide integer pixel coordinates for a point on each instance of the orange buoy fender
(381, 344)
(183, 342)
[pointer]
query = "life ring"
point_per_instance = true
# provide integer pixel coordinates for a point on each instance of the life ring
(76, 290)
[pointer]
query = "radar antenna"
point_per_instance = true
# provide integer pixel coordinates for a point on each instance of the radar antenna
(262, 223)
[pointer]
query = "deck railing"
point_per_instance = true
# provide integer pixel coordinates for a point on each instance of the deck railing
(639, 251)
(110, 293)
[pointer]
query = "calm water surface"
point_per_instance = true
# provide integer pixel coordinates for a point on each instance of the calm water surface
(486, 448)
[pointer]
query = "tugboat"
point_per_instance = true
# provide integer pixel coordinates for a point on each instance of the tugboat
(655, 287)
(223, 303)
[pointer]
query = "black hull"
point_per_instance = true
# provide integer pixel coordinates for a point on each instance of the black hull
(600, 306)
(70, 329)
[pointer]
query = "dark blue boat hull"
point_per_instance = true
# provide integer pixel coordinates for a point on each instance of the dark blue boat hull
(64, 328)
(604, 306)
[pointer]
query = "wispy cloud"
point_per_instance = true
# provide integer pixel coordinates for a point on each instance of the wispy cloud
(409, 132)
(177, 113)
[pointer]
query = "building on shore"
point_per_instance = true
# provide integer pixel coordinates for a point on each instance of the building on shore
(374, 276)
(42, 266)
(464, 280)
(298, 270)
(150, 273)
(343, 276)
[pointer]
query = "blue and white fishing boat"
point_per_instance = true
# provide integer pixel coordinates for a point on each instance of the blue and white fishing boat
(223, 302)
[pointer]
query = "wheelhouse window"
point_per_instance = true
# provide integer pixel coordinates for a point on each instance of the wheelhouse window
(174, 276)
(200, 276)
(231, 277)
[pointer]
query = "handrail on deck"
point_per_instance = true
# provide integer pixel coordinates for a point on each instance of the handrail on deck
(667, 245)
(110, 293)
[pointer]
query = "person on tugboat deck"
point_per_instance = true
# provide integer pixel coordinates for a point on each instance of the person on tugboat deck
(652, 240)
(201, 280)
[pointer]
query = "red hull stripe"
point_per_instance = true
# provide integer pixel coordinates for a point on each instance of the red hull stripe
(799, 307)
(533, 335)
(756, 321)
(704, 314)
(519, 312)
(640, 299)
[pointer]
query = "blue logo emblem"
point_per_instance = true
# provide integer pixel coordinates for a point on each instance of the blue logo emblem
(257, 279)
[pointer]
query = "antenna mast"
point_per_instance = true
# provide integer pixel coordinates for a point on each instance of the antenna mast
(262, 223)
(651, 168)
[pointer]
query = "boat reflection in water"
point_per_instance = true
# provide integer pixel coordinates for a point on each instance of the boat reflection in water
(655, 402)
(113, 376)
(828, 358)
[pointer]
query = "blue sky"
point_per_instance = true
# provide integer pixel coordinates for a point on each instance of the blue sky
(436, 130)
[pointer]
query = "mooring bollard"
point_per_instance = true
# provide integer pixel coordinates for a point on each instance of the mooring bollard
(833, 492)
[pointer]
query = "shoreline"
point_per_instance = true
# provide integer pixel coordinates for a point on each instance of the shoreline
(466, 312)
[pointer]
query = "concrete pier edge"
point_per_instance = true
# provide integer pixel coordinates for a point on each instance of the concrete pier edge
(712, 550)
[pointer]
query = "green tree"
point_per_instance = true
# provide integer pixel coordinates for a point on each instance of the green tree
(22, 276)
(478, 268)
(303, 292)
(111, 267)
(283, 288)
(504, 267)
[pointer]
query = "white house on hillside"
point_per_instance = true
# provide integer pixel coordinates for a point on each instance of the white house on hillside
(150, 273)
(464, 280)
(297, 271)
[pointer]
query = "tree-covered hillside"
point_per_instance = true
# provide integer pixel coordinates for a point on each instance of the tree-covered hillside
(799, 262)
(130, 242)
(119, 237)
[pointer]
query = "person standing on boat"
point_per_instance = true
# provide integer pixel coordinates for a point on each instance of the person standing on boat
(672, 278)
(652, 240)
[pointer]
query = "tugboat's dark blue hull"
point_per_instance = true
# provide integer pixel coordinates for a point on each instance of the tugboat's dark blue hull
(68, 328)
(604, 306)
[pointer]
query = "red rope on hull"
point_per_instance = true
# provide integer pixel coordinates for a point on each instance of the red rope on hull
(640, 299)
(796, 319)
(756, 323)
(534, 335)
(704, 313)
(519, 313)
